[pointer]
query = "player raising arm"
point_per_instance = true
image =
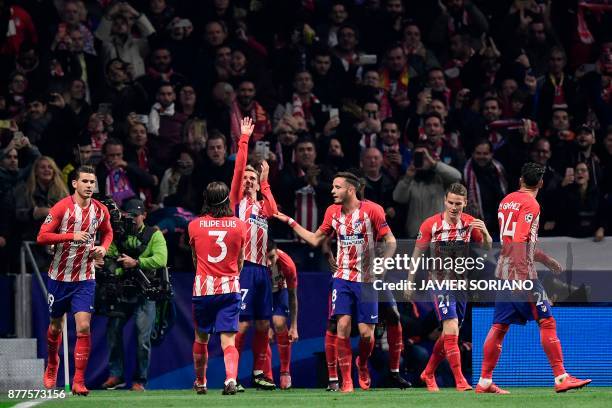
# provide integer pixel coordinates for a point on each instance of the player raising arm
(255, 278)
(217, 242)
(357, 225)
(71, 226)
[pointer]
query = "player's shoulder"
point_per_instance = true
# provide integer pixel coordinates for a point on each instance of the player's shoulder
(333, 209)
(430, 221)
(369, 205)
(99, 204)
(467, 218)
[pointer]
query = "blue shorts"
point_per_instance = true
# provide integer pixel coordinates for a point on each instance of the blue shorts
(355, 299)
(216, 313)
(509, 309)
(70, 296)
(256, 288)
(449, 305)
(280, 303)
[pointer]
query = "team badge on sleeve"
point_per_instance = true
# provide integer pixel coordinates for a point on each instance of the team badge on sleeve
(48, 219)
(528, 217)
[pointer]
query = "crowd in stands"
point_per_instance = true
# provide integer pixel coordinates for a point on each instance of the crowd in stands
(415, 94)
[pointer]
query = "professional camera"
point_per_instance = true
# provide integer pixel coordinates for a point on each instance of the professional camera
(123, 224)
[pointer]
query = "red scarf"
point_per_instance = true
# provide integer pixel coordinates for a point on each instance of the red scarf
(395, 87)
(559, 95)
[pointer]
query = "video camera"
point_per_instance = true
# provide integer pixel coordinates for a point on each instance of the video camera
(112, 290)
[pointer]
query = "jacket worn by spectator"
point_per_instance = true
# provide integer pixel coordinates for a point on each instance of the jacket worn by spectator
(424, 194)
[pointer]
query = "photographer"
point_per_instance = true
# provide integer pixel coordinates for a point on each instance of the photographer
(141, 249)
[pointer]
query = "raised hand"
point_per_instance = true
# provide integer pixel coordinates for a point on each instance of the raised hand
(265, 170)
(246, 126)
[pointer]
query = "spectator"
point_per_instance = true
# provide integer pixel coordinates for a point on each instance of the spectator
(438, 144)
(541, 39)
(581, 211)
(334, 159)
(81, 156)
(419, 58)
(396, 157)
(121, 94)
(160, 14)
(395, 77)
(303, 103)
(215, 166)
(183, 165)
(605, 154)
(188, 102)
(165, 124)
(188, 194)
(362, 134)
(304, 187)
(327, 77)
(117, 178)
(246, 105)
(540, 152)
(422, 189)
(182, 44)
(76, 100)
(195, 136)
(19, 29)
(346, 49)
(51, 125)
(486, 183)
(137, 153)
(34, 197)
(160, 71)
(11, 173)
(115, 32)
(379, 186)
(557, 89)
(87, 62)
(457, 16)
(71, 21)
(328, 31)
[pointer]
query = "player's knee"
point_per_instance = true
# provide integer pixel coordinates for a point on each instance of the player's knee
(332, 326)
(83, 328)
(548, 323)
(55, 326)
(262, 325)
(502, 327)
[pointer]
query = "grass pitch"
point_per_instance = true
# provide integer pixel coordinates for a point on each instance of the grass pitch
(519, 397)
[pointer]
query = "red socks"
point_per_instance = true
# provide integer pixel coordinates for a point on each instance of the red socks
(366, 345)
(230, 357)
(268, 365)
(284, 350)
(331, 355)
(492, 349)
(260, 347)
(239, 341)
(81, 356)
(54, 339)
(552, 345)
(200, 359)
(437, 355)
(396, 344)
(453, 355)
(345, 355)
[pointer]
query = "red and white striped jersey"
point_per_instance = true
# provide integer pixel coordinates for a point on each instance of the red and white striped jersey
(519, 217)
(284, 273)
(72, 261)
(356, 234)
(436, 232)
(254, 213)
(216, 244)
(306, 210)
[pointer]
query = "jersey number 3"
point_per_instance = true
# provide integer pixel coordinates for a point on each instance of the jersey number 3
(220, 235)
